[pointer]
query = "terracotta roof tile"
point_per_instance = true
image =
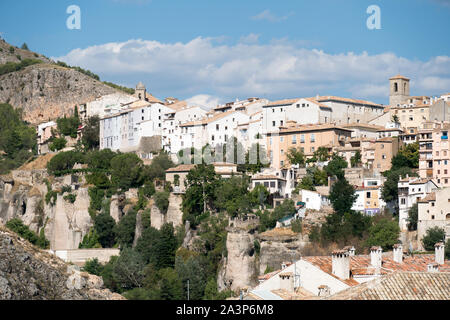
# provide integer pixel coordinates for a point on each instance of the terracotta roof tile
(400, 286)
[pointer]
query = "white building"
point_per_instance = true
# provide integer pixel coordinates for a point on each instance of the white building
(313, 200)
(248, 133)
(124, 130)
(106, 105)
(301, 110)
(181, 114)
(214, 130)
(410, 190)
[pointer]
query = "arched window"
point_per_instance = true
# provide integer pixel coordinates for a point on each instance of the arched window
(395, 87)
(447, 217)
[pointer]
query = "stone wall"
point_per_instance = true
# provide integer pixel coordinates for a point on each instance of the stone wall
(80, 256)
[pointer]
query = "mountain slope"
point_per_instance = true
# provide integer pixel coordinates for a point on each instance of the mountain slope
(27, 273)
(45, 91)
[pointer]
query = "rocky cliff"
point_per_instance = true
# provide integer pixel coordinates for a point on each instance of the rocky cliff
(27, 273)
(173, 215)
(239, 268)
(278, 246)
(45, 91)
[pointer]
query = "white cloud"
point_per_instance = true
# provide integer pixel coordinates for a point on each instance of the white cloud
(269, 16)
(204, 100)
(275, 70)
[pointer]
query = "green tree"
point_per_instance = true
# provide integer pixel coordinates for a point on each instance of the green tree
(306, 183)
(165, 247)
(68, 126)
(201, 183)
(259, 196)
(93, 266)
(389, 191)
(169, 285)
(104, 225)
(355, 161)
(157, 169)
(91, 133)
(146, 245)
(231, 196)
(342, 196)
(64, 161)
(413, 215)
(100, 159)
(322, 154)
(193, 270)
(408, 156)
(384, 233)
(58, 144)
(90, 240)
(296, 156)
(126, 170)
(125, 229)
(18, 142)
(128, 270)
(431, 237)
(162, 201)
(336, 166)
(24, 47)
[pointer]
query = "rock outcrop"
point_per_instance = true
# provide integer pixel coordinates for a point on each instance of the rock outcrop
(240, 266)
(47, 91)
(173, 215)
(27, 273)
(278, 246)
(22, 195)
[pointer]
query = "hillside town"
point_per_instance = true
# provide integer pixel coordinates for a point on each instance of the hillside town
(293, 143)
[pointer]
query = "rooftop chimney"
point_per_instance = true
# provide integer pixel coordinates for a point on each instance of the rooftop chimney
(351, 250)
(439, 252)
(340, 264)
(287, 281)
(433, 267)
(398, 253)
(324, 291)
(375, 257)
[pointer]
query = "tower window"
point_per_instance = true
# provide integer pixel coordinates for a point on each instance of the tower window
(395, 87)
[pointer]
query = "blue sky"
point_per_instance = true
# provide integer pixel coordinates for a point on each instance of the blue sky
(222, 50)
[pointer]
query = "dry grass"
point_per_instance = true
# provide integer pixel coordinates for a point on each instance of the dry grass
(37, 164)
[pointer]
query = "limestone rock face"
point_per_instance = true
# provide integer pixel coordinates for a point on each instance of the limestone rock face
(47, 91)
(27, 273)
(278, 247)
(23, 196)
(71, 222)
(240, 266)
(174, 214)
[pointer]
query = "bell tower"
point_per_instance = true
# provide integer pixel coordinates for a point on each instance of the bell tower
(399, 90)
(140, 92)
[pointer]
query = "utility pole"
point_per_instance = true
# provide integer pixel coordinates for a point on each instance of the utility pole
(188, 289)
